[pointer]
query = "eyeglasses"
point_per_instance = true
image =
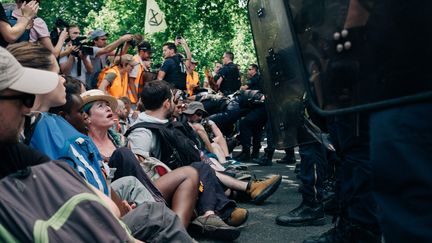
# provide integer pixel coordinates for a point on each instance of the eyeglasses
(199, 113)
(26, 99)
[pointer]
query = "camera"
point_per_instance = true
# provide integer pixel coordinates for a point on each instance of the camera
(59, 25)
(85, 48)
(137, 39)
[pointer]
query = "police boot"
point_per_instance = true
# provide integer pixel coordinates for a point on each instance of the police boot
(244, 155)
(255, 153)
(265, 159)
(308, 213)
(287, 159)
(347, 232)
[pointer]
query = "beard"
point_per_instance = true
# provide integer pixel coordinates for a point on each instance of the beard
(169, 112)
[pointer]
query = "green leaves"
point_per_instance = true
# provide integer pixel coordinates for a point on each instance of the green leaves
(210, 26)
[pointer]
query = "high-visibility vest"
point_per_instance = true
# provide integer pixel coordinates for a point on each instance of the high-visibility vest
(191, 81)
(138, 82)
(118, 87)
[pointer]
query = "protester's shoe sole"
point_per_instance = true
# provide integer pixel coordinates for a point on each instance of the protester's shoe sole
(226, 234)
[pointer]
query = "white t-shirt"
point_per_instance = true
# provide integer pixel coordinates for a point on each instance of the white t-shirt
(74, 70)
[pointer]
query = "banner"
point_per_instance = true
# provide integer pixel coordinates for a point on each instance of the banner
(155, 18)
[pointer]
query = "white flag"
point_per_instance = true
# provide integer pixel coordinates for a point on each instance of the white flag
(155, 18)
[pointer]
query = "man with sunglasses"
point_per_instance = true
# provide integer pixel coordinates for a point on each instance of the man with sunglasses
(253, 81)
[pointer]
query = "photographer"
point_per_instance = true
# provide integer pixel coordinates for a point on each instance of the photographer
(39, 30)
(74, 61)
(101, 51)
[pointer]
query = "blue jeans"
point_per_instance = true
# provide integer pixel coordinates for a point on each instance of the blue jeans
(401, 152)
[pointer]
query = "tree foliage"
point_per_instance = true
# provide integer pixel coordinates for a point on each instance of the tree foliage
(210, 26)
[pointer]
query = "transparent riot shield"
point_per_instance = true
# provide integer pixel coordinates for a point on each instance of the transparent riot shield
(366, 54)
(281, 71)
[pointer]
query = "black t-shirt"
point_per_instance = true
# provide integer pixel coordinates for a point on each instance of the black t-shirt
(231, 78)
(175, 72)
(254, 83)
(14, 157)
(3, 18)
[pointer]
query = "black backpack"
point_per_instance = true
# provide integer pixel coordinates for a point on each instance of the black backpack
(178, 146)
(12, 21)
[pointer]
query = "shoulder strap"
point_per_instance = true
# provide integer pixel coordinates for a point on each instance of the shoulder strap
(148, 125)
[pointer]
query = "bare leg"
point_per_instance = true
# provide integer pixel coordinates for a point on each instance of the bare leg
(222, 143)
(232, 183)
(219, 153)
(180, 188)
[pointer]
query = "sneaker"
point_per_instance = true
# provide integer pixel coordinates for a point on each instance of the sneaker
(237, 217)
(259, 191)
(213, 227)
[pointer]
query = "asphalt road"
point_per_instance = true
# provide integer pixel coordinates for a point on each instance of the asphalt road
(261, 226)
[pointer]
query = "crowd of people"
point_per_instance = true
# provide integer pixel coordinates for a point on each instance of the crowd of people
(97, 145)
(120, 143)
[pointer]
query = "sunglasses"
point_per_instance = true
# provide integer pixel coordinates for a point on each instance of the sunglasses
(26, 99)
(199, 113)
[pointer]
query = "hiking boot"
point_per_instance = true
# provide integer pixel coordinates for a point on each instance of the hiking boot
(287, 159)
(347, 232)
(237, 217)
(305, 214)
(265, 160)
(213, 227)
(261, 190)
(243, 156)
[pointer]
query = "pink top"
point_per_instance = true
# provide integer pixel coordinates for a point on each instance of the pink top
(39, 29)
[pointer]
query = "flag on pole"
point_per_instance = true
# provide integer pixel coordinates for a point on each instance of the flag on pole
(155, 18)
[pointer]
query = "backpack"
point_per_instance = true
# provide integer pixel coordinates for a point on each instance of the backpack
(51, 203)
(56, 138)
(12, 21)
(178, 148)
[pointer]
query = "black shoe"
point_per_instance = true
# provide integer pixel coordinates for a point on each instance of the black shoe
(243, 156)
(255, 153)
(264, 160)
(312, 214)
(289, 160)
(347, 232)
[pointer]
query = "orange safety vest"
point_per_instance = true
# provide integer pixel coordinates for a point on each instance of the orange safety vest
(118, 87)
(191, 81)
(138, 82)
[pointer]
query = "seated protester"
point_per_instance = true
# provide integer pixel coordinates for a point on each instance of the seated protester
(179, 187)
(39, 31)
(192, 78)
(116, 79)
(120, 118)
(157, 99)
(73, 61)
(12, 33)
(207, 130)
(56, 138)
(22, 210)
